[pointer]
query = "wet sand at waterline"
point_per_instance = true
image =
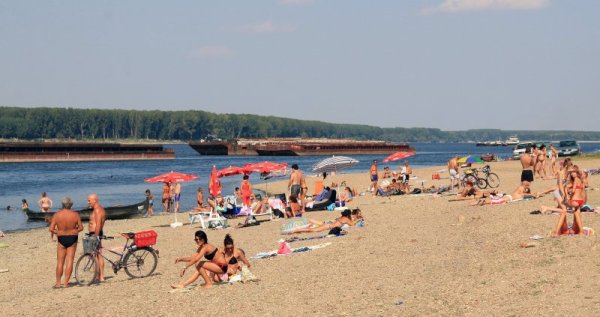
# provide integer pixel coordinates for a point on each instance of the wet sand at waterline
(416, 256)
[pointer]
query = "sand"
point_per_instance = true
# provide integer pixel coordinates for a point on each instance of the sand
(416, 256)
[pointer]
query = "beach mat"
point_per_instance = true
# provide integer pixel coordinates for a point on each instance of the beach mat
(270, 254)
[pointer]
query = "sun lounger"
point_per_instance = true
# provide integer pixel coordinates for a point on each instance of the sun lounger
(208, 219)
(324, 203)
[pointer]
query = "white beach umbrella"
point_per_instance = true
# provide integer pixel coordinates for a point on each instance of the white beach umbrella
(334, 164)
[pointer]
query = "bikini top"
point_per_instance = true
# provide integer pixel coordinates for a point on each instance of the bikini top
(578, 187)
(210, 256)
(233, 260)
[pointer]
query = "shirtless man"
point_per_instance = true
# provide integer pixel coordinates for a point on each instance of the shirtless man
(295, 183)
(527, 162)
(96, 226)
(374, 177)
(453, 172)
(165, 196)
(177, 196)
(66, 225)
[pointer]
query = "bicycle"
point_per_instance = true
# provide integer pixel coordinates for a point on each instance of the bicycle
(138, 257)
(488, 179)
(491, 179)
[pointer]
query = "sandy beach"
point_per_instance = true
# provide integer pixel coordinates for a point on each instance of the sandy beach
(416, 256)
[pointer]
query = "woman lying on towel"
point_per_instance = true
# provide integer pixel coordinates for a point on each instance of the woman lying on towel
(523, 191)
(215, 262)
(318, 226)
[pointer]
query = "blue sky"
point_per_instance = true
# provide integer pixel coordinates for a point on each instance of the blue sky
(449, 64)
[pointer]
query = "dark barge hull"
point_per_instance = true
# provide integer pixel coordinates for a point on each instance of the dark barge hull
(80, 151)
(114, 212)
(297, 147)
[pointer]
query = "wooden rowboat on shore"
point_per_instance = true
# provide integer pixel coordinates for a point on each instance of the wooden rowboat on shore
(113, 212)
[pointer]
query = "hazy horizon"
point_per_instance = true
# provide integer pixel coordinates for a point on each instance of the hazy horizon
(449, 64)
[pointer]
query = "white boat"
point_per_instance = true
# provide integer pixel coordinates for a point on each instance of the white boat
(513, 140)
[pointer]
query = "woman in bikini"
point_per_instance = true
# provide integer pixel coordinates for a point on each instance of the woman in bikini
(575, 199)
(553, 158)
(541, 162)
(45, 203)
(246, 189)
(560, 192)
(345, 219)
(215, 262)
(233, 255)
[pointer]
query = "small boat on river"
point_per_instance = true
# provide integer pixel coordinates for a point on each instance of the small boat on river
(113, 212)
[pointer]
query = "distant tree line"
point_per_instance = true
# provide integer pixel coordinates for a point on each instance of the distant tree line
(71, 123)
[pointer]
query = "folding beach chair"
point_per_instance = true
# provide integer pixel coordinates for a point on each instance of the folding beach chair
(208, 219)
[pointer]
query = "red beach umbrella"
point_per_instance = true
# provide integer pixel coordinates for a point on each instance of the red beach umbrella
(214, 185)
(230, 171)
(265, 167)
(171, 177)
(398, 156)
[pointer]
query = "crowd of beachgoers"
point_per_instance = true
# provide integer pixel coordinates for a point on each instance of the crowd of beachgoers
(226, 261)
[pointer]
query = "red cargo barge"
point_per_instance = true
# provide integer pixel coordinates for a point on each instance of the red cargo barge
(81, 151)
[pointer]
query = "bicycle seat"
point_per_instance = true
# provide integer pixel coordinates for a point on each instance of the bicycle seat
(128, 235)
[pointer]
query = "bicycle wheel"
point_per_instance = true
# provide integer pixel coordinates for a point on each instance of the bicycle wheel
(86, 269)
(140, 262)
(469, 178)
(481, 183)
(493, 180)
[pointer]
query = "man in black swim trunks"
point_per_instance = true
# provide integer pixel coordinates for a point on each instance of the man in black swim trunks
(66, 224)
(527, 161)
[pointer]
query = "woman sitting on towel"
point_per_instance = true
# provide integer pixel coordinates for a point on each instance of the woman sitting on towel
(232, 255)
(317, 226)
(346, 196)
(215, 262)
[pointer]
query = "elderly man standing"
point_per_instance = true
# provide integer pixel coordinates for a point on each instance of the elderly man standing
(96, 228)
(66, 225)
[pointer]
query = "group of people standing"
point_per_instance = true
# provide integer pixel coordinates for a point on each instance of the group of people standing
(171, 196)
(66, 225)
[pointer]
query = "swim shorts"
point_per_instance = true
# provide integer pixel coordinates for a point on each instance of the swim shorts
(374, 178)
(177, 197)
(295, 190)
(527, 175)
(405, 178)
(453, 174)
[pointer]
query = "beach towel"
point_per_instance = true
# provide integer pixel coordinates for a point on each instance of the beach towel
(295, 224)
(243, 276)
(270, 254)
(296, 239)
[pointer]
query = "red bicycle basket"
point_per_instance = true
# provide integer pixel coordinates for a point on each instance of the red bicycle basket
(145, 238)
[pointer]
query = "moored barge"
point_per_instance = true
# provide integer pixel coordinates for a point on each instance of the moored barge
(297, 147)
(81, 151)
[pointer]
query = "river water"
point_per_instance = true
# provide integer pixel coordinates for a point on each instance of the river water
(122, 182)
